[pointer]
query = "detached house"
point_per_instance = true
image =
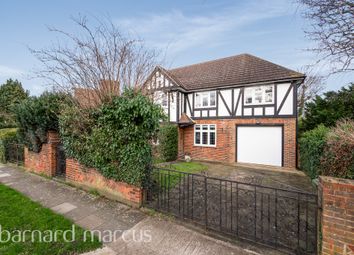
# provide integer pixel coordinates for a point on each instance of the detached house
(235, 109)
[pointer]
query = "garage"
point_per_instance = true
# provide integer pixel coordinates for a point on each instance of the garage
(259, 144)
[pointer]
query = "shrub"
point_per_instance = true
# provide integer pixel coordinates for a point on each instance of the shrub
(338, 154)
(115, 138)
(311, 148)
(7, 136)
(36, 116)
(168, 142)
(329, 108)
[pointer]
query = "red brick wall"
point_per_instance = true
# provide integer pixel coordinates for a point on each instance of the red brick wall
(337, 219)
(226, 140)
(89, 178)
(43, 162)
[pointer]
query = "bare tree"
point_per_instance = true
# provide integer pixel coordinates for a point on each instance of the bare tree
(95, 63)
(333, 29)
(312, 86)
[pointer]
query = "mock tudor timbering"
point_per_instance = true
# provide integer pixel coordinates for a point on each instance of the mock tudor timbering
(220, 95)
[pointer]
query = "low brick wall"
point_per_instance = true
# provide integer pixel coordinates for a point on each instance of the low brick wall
(90, 178)
(337, 219)
(45, 161)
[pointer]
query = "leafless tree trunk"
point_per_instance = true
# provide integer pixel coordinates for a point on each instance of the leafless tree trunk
(312, 86)
(333, 29)
(96, 63)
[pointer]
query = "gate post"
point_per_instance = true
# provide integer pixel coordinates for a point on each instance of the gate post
(53, 142)
(336, 206)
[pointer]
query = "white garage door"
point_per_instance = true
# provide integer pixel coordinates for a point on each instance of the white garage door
(259, 145)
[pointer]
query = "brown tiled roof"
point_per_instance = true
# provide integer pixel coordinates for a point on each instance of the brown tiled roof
(185, 120)
(236, 70)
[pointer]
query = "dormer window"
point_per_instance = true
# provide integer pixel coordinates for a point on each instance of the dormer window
(259, 95)
(205, 99)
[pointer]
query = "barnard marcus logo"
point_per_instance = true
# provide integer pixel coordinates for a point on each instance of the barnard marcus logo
(51, 236)
(42, 236)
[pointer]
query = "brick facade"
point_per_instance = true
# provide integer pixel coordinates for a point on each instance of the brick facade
(45, 161)
(225, 149)
(89, 178)
(337, 219)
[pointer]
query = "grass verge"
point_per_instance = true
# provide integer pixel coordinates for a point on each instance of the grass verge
(19, 214)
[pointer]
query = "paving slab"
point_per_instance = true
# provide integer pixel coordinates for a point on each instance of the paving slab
(4, 175)
(64, 208)
(103, 251)
(170, 238)
(90, 222)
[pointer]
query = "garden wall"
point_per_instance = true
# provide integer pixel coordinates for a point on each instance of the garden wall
(44, 162)
(90, 178)
(337, 218)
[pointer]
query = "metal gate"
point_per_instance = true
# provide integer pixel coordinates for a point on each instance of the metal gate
(280, 218)
(61, 161)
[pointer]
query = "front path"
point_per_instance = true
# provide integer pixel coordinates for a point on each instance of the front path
(138, 233)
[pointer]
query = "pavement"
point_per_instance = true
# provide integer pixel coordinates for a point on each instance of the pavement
(123, 230)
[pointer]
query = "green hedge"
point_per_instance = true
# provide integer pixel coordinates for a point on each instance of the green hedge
(36, 116)
(7, 136)
(311, 149)
(115, 138)
(168, 142)
(338, 154)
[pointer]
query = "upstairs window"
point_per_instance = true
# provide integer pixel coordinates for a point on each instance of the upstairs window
(259, 95)
(205, 99)
(205, 135)
(164, 100)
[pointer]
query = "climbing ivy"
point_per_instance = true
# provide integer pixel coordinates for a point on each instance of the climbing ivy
(115, 138)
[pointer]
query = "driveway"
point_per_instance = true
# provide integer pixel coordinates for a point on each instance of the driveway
(272, 206)
(275, 177)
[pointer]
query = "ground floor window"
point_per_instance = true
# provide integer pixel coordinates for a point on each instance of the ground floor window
(205, 135)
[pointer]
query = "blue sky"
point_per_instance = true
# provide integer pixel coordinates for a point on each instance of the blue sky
(185, 31)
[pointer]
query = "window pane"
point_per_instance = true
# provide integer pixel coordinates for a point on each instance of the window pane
(212, 138)
(268, 94)
(205, 138)
(212, 127)
(248, 96)
(197, 137)
(205, 127)
(197, 100)
(212, 98)
(205, 100)
(197, 127)
(258, 95)
(164, 99)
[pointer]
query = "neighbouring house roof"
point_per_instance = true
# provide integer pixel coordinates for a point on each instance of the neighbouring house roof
(92, 97)
(236, 70)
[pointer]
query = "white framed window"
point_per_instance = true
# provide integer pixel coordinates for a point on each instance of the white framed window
(164, 100)
(205, 99)
(205, 135)
(259, 95)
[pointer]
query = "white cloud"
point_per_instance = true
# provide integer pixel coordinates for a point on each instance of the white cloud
(179, 31)
(6, 71)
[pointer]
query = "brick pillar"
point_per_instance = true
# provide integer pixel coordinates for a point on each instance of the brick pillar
(44, 162)
(337, 217)
(53, 141)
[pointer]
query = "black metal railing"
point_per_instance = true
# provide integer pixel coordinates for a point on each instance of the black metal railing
(14, 153)
(280, 218)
